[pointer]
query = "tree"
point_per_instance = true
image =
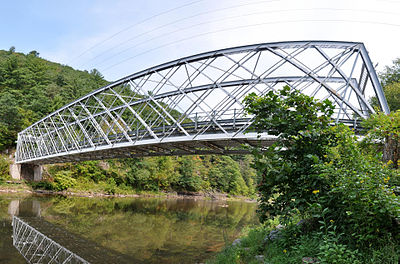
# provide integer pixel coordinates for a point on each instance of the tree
(287, 167)
(390, 79)
(10, 120)
(318, 171)
(224, 176)
(391, 74)
(190, 174)
(11, 50)
(384, 132)
(392, 94)
(34, 53)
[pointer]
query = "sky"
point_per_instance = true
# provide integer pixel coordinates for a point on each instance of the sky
(121, 37)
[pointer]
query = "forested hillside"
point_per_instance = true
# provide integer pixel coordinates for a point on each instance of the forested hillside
(31, 88)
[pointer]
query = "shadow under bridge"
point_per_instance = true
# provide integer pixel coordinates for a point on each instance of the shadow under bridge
(193, 105)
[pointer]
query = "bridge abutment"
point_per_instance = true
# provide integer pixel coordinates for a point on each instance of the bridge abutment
(29, 172)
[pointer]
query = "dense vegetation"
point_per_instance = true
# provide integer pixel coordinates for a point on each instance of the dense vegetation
(336, 198)
(31, 87)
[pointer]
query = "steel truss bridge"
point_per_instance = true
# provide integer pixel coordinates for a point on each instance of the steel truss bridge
(193, 105)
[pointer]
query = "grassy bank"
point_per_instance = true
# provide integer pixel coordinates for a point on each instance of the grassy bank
(271, 243)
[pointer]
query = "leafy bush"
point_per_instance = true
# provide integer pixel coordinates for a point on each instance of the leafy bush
(4, 168)
(110, 186)
(359, 200)
(384, 135)
(42, 185)
(332, 251)
(63, 180)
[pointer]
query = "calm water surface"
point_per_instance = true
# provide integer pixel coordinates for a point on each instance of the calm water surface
(137, 230)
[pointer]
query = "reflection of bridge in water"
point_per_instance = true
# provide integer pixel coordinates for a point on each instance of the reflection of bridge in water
(39, 241)
(194, 105)
(36, 247)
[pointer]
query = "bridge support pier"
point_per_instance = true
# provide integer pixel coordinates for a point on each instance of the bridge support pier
(29, 172)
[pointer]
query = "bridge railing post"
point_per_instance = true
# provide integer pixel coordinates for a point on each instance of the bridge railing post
(234, 118)
(195, 122)
(213, 118)
(137, 130)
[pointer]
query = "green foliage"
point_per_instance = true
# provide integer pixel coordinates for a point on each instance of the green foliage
(43, 185)
(319, 172)
(111, 186)
(391, 74)
(294, 245)
(31, 87)
(392, 94)
(190, 170)
(360, 201)
(63, 181)
(181, 174)
(4, 168)
(224, 175)
(287, 168)
(384, 136)
(10, 119)
(331, 250)
(89, 169)
(390, 79)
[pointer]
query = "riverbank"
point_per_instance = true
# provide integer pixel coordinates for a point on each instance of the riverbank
(303, 243)
(22, 187)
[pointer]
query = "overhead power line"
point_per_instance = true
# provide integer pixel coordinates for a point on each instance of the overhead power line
(219, 20)
(176, 21)
(134, 25)
(248, 26)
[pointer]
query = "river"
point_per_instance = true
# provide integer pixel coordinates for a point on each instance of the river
(127, 230)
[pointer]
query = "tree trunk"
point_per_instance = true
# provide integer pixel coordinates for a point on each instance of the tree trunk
(391, 151)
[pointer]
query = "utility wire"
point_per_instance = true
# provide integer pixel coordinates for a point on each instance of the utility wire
(232, 17)
(134, 25)
(174, 22)
(248, 26)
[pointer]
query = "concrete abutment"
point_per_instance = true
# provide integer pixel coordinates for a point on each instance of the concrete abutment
(29, 172)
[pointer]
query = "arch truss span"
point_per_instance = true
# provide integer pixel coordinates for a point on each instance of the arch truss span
(194, 105)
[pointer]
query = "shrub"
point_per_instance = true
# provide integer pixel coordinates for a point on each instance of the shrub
(63, 180)
(42, 185)
(332, 251)
(384, 132)
(4, 168)
(111, 186)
